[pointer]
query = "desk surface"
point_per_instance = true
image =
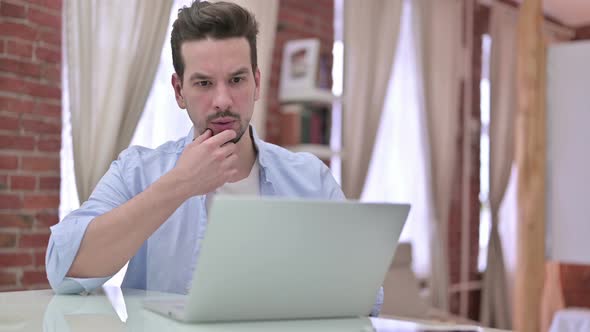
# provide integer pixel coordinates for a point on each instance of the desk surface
(113, 309)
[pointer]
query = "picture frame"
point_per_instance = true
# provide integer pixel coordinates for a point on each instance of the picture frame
(299, 68)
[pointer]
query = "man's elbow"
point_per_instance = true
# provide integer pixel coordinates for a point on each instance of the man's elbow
(56, 272)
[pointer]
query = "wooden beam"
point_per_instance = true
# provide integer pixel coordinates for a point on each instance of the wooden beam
(530, 158)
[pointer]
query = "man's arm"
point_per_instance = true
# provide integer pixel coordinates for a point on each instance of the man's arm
(99, 238)
(114, 237)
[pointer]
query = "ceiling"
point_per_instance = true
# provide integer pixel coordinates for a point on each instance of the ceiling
(573, 13)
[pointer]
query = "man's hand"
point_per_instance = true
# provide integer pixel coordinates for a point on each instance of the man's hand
(207, 163)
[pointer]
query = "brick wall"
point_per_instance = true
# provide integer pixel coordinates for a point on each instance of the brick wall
(583, 33)
(298, 19)
(30, 137)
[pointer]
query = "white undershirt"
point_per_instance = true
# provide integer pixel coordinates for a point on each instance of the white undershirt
(249, 186)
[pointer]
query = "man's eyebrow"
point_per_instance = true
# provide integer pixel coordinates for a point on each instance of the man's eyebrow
(240, 71)
(199, 76)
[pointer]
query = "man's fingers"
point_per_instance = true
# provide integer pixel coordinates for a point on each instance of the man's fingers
(228, 149)
(223, 137)
(230, 162)
(204, 136)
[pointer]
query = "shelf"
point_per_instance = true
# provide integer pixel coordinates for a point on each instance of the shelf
(300, 107)
(315, 96)
(320, 151)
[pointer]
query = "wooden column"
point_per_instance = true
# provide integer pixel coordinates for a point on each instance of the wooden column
(530, 158)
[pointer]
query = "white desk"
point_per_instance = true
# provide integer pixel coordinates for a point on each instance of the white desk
(113, 309)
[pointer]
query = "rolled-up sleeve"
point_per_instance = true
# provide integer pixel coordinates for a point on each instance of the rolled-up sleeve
(330, 188)
(66, 236)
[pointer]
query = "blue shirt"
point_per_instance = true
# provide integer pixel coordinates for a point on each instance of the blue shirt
(166, 260)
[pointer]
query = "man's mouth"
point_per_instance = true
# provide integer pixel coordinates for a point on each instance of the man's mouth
(221, 124)
(223, 121)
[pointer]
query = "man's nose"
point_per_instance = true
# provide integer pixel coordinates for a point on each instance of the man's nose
(222, 99)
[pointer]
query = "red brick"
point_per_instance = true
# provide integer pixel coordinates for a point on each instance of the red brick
(47, 219)
(17, 85)
(10, 201)
(16, 220)
(40, 201)
(3, 182)
(23, 182)
(39, 258)
(44, 286)
(49, 183)
(583, 33)
(49, 145)
(34, 278)
(40, 163)
(34, 240)
(49, 4)
(8, 162)
(8, 123)
(19, 48)
(7, 240)
(48, 110)
(575, 277)
(12, 10)
(17, 30)
(41, 127)
(8, 278)
(17, 142)
(47, 55)
(51, 37)
(16, 259)
(51, 73)
(45, 19)
(20, 67)
(12, 288)
(16, 105)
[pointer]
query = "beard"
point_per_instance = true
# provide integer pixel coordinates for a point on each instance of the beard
(228, 114)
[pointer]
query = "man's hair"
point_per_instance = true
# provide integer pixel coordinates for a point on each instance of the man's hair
(219, 20)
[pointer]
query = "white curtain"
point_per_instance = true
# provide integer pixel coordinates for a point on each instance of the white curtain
(112, 50)
(439, 27)
(370, 39)
(397, 172)
(495, 305)
(162, 120)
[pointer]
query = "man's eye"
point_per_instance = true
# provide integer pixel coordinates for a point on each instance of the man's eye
(237, 79)
(203, 83)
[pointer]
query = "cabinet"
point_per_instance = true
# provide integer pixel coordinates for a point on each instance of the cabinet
(306, 123)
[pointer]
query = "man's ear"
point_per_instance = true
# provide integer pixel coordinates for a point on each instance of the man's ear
(257, 82)
(177, 86)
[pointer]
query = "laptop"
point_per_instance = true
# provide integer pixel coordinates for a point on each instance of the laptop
(277, 258)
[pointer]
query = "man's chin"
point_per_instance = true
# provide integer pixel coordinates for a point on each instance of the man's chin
(240, 134)
(238, 138)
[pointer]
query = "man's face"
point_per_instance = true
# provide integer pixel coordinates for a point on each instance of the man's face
(218, 89)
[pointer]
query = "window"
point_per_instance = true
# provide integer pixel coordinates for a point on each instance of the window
(337, 88)
(485, 214)
(397, 172)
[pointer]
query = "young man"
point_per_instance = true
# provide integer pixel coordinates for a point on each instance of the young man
(150, 208)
